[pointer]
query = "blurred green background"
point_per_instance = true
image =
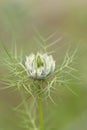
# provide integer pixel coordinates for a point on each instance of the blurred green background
(69, 20)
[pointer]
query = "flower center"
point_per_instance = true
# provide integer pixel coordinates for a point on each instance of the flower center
(39, 62)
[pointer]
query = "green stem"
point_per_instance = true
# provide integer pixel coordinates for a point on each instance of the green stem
(40, 110)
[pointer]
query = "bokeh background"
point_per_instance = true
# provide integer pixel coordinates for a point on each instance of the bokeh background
(67, 19)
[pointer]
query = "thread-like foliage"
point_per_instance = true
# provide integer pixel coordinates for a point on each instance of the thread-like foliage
(17, 78)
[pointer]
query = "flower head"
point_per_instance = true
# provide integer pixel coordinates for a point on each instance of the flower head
(40, 65)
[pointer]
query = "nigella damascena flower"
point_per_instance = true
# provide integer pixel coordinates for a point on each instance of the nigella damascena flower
(40, 65)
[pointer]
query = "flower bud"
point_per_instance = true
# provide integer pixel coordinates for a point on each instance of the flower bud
(39, 66)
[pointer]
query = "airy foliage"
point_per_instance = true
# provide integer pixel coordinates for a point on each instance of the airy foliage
(36, 75)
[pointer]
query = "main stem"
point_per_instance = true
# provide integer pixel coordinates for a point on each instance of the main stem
(40, 110)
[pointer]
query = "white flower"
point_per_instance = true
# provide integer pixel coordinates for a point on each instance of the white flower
(39, 66)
